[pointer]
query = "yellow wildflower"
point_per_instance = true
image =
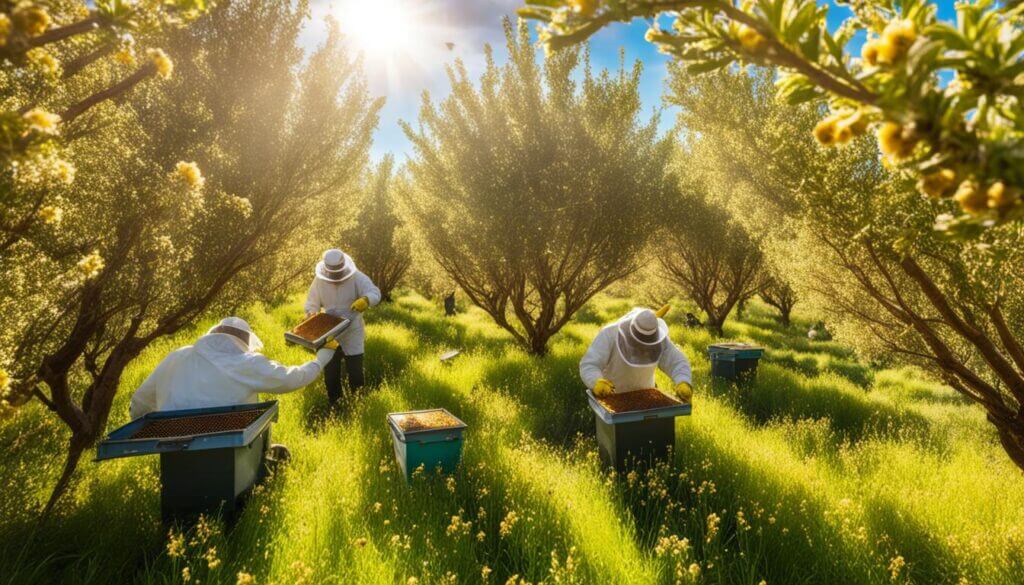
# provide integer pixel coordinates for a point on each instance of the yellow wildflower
(1000, 196)
(751, 40)
(125, 57)
(485, 572)
(90, 266)
(65, 171)
(186, 575)
(190, 174)
(5, 29)
(869, 52)
(160, 60)
(30, 19)
(896, 140)
(901, 34)
(825, 130)
(42, 121)
(506, 525)
(359, 542)
(412, 581)
(694, 570)
(938, 184)
(50, 214)
(45, 61)
(245, 579)
(971, 198)
(895, 566)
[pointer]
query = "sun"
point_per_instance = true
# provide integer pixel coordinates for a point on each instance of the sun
(381, 29)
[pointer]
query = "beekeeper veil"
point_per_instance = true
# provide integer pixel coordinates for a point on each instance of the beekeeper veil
(640, 337)
(239, 331)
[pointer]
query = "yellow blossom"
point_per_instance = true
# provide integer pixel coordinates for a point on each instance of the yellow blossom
(506, 525)
(971, 198)
(359, 542)
(190, 174)
(901, 34)
(5, 29)
(186, 574)
(30, 19)
(50, 214)
(160, 60)
(90, 266)
(485, 572)
(125, 57)
(825, 130)
(895, 566)
(5, 380)
(896, 140)
(869, 52)
(412, 581)
(45, 61)
(694, 570)
(751, 40)
(245, 579)
(583, 7)
(65, 171)
(42, 121)
(1001, 196)
(937, 184)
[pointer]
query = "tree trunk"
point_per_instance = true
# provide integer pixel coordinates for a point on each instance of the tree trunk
(784, 317)
(77, 445)
(1012, 439)
(714, 325)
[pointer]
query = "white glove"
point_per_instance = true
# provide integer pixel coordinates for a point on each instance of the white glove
(324, 355)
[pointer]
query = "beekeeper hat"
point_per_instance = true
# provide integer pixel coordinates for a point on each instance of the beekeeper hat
(240, 330)
(336, 266)
(640, 336)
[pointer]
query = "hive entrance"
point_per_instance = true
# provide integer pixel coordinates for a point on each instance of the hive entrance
(199, 424)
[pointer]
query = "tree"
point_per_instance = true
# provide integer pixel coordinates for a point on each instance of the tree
(779, 294)
(891, 285)
(535, 191)
(275, 136)
(960, 140)
(381, 248)
(710, 256)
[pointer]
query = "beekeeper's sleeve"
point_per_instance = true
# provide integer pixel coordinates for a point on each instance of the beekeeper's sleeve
(313, 299)
(265, 375)
(366, 288)
(674, 363)
(596, 358)
(147, 398)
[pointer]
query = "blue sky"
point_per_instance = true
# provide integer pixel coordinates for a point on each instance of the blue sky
(469, 24)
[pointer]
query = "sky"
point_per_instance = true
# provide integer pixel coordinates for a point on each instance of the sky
(405, 45)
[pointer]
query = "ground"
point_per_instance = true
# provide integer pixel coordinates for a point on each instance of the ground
(825, 471)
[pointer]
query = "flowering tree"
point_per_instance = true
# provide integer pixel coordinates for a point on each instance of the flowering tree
(381, 248)
(865, 254)
(960, 140)
(163, 242)
(534, 191)
(779, 294)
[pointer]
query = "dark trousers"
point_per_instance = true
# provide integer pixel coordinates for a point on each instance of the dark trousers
(332, 374)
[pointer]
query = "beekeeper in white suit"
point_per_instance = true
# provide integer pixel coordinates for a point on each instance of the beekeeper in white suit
(341, 290)
(625, 354)
(222, 368)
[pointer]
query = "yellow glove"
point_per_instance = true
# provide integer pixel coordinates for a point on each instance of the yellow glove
(663, 311)
(360, 304)
(603, 387)
(332, 344)
(684, 391)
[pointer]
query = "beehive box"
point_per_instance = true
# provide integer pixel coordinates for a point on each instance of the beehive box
(734, 361)
(635, 427)
(210, 458)
(429, 438)
(317, 331)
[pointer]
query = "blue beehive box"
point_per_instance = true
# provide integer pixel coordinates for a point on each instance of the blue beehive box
(210, 458)
(431, 448)
(734, 361)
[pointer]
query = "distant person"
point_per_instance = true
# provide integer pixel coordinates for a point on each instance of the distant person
(812, 333)
(625, 354)
(341, 290)
(222, 368)
(692, 321)
(449, 304)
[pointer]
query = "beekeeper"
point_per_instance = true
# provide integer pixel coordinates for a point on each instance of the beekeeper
(341, 290)
(222, 368)
(624, 355)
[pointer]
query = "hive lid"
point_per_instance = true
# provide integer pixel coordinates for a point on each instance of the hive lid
(612, 418)
(737, 349)
(194, 429)
(426, 434)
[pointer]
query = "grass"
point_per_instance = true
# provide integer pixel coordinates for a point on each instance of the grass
(824, 471)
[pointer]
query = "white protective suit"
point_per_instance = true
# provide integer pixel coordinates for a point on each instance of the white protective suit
(219, 370)
(336, 298)
(604, 359)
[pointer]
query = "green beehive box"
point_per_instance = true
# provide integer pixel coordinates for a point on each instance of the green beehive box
(431, 449)
(210, 458)
(636, 437)
(734, 361)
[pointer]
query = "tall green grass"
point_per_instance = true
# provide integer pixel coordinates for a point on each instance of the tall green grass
(824, 471)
